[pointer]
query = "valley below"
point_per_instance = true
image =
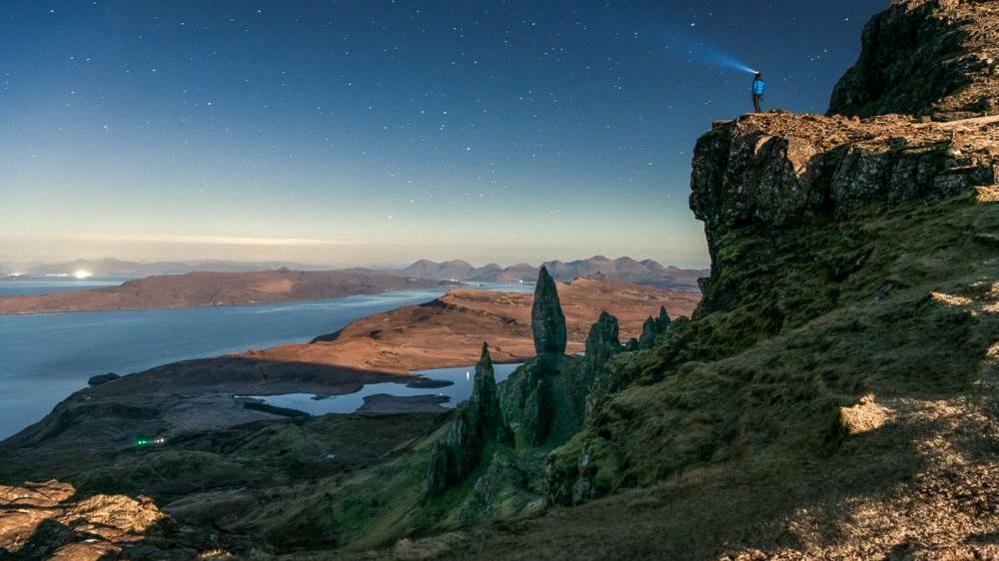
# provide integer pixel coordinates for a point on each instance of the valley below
(172, 415)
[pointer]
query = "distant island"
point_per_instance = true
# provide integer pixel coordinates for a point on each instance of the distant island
(202, 289)
(233, 288)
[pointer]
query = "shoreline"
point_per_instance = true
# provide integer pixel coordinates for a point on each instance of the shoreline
(446, 332)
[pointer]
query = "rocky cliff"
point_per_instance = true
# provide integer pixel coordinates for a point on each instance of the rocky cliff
(776, 171)
(937, 58)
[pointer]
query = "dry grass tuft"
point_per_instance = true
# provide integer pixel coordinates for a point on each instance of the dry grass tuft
(864, 417)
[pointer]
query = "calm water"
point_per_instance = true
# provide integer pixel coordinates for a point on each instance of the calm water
(457, 392)
(34, 287)
(44, 358)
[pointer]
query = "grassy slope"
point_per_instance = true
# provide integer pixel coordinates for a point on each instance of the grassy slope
(727, 436)
(731, 427)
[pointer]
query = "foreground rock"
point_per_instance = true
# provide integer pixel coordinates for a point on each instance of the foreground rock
(43, 521)
(477, 423)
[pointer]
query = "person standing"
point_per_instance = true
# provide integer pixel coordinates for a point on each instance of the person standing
(758, 88)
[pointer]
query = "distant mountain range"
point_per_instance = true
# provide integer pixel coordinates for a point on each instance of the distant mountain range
(624, 269)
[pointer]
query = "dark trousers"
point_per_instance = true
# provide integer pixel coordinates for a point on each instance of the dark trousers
(758, 103)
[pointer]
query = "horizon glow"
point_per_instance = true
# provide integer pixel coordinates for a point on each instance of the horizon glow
(384, 132)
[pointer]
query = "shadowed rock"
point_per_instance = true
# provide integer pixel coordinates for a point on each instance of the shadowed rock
(478, 422)
(925, 57)
(653, 328)
(102, 379)
(603, 342)
(547, 319)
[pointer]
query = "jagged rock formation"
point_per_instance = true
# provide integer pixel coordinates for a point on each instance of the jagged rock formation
(477, 423)
(604, 341)
(775, 171)
(41, 521)
(653, 328)
(546, 398)
(925, 57)
(547, 319)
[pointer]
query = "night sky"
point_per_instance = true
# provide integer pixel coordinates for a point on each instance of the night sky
(380, 131)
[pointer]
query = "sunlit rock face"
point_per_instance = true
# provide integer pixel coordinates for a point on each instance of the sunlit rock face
(776, 171)
(547, 319)
(45, 521)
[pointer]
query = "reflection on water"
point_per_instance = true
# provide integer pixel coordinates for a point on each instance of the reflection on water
(460, 389)
(36, 286)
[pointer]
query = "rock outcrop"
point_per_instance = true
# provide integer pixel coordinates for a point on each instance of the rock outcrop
(776, 171)
(925, 57)
(547, 319)
(42, 521)
(653, 328)
(478, 422)
(604, 341)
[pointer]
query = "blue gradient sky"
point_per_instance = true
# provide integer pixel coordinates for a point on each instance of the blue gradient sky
(380, 131)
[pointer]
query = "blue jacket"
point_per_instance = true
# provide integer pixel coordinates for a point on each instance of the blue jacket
(759, 86)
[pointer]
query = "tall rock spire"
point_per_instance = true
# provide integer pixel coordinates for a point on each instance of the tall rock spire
(478, 422)
(483, 407)
(547, 319)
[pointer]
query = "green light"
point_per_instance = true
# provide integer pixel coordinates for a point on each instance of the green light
(142, 442)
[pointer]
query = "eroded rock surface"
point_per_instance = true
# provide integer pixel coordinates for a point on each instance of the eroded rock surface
(478, 422)
(547, 319)
(777, 170)
(42, 521)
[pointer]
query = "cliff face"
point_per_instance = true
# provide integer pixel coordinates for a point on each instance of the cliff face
(852, 306)
(925, 57)
(777, 171)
